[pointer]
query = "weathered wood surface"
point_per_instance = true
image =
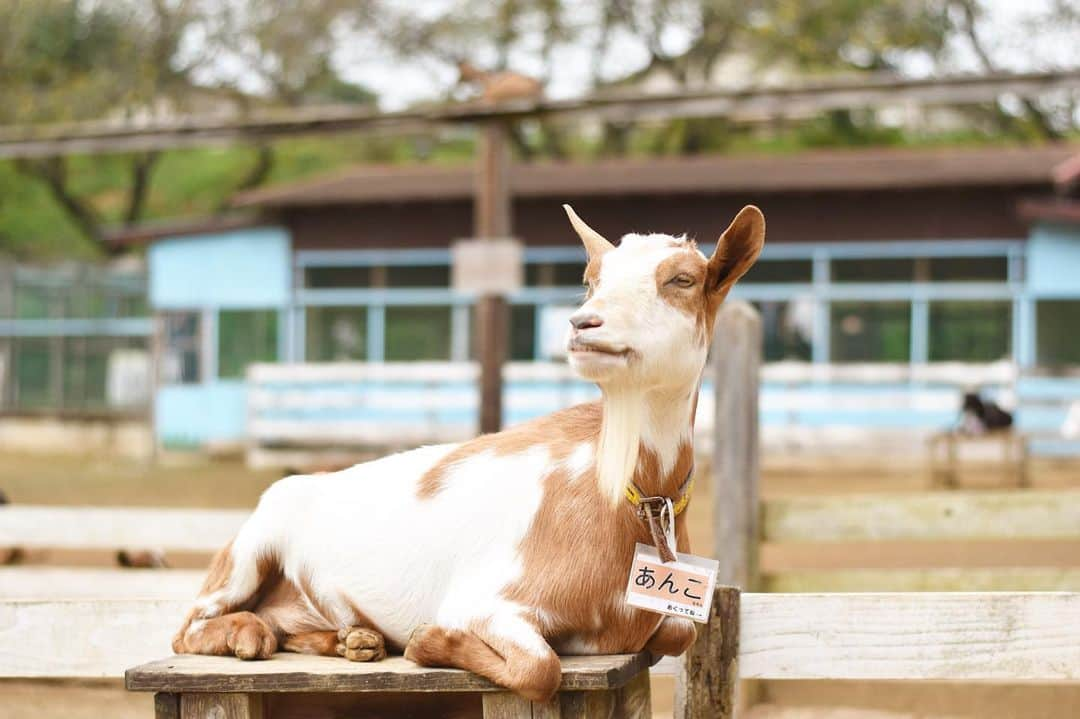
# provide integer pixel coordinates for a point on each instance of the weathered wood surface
(1005, 579)
(86, 583)
(931, 515)
(737, 364)
(961, 636)
(507, 705)
(957, 636)
(194, 530)
(707, 685)
(84, 639)
(222, 706)
(736, 104)
(294, 672)
(166, 705)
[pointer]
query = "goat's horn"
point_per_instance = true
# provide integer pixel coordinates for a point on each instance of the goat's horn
(595, 243)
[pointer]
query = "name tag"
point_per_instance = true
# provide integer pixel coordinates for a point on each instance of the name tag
(683, 588)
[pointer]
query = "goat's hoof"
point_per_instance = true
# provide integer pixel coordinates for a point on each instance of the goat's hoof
(359, 644)
(253, 640)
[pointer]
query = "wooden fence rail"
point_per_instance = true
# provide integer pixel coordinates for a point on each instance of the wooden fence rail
(900, 636)
(938, 516)
(111, 528)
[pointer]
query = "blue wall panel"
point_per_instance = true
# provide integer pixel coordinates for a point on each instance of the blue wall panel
(1054, 260)
(246, 268)
(191, 415)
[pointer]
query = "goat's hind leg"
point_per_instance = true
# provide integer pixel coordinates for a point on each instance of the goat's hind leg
(216, 625)
(508, 650)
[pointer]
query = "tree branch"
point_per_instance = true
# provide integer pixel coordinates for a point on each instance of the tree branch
(53, 172)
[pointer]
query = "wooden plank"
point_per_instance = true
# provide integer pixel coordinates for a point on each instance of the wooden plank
(294, 672)
(634, 699)
(1006, 579)
(166, 705)
(927, 516)
(737, 104)
(959, 637)
(221, 706)
(707, 685)
(84, 639)
(507, 705)
(195, 530)
(83, 583)
(737, 363)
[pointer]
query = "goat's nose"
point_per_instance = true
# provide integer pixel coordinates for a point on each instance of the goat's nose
(585, 320)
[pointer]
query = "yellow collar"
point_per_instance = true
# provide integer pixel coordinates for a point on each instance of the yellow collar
(636, 497)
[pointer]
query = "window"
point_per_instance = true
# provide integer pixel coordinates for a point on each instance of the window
(555, 274)
(522, 332)
(32, 302)
(336, 334)
(418, 276)
(87, 363)
(970, 331)
(33, 373)
(968, 269)
(787, 328)
(1057, 339)
(871, 331)
(322, 278)
(878, 270)
(780, 271)
(417, 333)
(245, 337)
(181, 355)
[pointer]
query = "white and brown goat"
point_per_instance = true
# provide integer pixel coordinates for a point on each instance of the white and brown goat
(494, 554)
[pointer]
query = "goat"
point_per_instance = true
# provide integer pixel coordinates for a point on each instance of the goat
(496, 553)
(496, 87)
(980, 416)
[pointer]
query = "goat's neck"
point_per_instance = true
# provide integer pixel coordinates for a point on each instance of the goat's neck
(637, 423)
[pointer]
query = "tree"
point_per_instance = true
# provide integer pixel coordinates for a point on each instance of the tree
(63, 60)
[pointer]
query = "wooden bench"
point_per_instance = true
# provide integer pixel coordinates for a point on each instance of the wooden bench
(193, 687)
(945, 447)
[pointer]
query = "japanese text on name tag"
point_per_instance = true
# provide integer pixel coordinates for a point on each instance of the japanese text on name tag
(683, 588)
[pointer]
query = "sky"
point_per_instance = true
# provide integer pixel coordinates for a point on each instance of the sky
(400, 84)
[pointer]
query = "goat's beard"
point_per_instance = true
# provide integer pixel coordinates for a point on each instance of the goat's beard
(620, 438)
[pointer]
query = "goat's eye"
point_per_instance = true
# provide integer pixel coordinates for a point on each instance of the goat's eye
(682, 281)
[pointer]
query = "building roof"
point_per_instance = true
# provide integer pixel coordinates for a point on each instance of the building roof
(812, 171)
(180, 227)
(1051, 209)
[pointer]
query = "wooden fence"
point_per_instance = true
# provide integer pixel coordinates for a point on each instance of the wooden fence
(998, 637)
(117, 619)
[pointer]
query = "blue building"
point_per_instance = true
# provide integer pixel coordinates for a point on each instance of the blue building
(887, 259)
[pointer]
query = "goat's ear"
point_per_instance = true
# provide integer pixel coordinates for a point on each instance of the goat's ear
(737, 249)
(595, 243)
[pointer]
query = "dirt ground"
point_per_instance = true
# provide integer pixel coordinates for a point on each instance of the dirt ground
(199, 482)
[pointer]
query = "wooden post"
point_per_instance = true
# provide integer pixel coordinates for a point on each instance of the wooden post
(166, 705)
(491, 210)
(709, 680)
(736, 357)
(491, 219)
(221, 706)
(492, 328)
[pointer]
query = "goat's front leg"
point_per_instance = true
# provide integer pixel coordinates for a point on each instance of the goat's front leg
(508, 650)
(672, 637)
